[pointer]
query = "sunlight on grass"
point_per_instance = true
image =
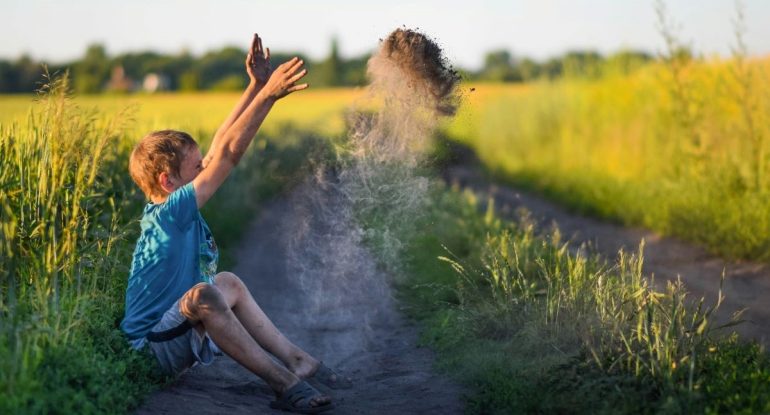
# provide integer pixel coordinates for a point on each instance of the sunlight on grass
(685, 157)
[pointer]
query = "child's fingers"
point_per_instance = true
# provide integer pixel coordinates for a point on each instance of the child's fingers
(267, 55)
(298, 87)
(298, 76)
(260, 49)
(284, 67)
(295, 67)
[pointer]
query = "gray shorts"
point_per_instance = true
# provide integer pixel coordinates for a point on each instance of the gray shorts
(177, 354)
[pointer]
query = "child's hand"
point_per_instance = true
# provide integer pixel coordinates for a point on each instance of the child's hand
(258, 63)
(283, 80)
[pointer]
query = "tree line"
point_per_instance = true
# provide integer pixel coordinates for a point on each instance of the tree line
(97, 71)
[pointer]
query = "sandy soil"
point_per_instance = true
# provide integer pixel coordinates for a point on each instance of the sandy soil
(746, 285)
(342, 311)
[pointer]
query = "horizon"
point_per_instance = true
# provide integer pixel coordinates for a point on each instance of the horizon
(538, 31)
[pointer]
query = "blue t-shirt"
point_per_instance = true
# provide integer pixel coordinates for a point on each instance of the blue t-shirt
(174, 252)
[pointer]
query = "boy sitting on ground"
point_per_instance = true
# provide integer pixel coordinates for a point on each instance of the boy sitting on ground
(176, 302)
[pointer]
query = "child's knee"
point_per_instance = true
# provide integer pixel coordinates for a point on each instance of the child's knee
(201, 299)
(229, 282)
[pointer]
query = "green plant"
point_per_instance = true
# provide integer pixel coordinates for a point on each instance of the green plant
(534, 325)
(68, 224)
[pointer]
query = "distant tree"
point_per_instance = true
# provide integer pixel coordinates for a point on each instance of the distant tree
(176, 66)
(683, 54)
(189, 81)
(91, 73)
(498, 59)
(8, 77)
(499, 65)
(552, 68)
(138, 64)
(529, 69)
(329, 71)
(18, 76)
(223, 68)
(583, 64)
(334, 63)
(229, 83)
(627, 61)
(354, 71)
(30, 73)
(217, 65)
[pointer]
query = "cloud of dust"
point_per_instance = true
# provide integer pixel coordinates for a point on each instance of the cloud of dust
(378, 177)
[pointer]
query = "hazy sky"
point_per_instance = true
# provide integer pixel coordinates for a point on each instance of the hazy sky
(58, 30)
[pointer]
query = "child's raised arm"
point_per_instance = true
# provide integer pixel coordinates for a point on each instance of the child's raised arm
(232, 144)
(259, 70)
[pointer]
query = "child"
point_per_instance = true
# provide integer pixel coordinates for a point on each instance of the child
(176, 302)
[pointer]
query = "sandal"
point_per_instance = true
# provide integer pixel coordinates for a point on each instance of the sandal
(297, 399)
(329, 378)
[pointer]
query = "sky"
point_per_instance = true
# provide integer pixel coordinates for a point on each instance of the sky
(58, 31)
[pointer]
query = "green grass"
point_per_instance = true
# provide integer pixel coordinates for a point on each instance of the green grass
(531, 326)
(68, 223)
(64, 263)
(679, 147)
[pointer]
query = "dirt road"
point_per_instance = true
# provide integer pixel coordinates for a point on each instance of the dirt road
(324, 291)
(746, 285)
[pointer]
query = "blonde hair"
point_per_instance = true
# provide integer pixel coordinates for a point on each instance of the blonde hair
(158, 152)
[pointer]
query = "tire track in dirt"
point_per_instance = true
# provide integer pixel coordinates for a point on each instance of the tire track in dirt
(746, 284)
(362, 333)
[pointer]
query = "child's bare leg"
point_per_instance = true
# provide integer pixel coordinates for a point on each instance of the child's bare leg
(206, 304)
(259, 326)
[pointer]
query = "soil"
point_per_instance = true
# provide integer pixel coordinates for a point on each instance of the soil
(362, 333)
(746, 284)
(409, 56)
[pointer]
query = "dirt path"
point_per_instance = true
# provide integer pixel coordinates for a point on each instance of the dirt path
(325, 293)
(747, 285)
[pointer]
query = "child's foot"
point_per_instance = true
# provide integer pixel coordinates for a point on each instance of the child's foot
(302, 398)
(328, 377)
(304, 367)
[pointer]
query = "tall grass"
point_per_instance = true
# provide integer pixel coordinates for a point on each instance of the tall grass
(573, 298)
(679, 146)
(68, 224)
(534, 325)
(62, 184)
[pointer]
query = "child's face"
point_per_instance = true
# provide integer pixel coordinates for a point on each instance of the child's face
(191, 166)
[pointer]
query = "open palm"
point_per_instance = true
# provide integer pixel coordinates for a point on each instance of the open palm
(258, 62)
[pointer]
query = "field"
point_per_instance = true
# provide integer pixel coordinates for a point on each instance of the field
(319, 110)
(526, 322)
(657, 147)
(678, 148)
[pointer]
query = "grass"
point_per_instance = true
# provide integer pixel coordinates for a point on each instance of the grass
(533, 326)
(62, 191)
(678, 147)
(68, 223)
